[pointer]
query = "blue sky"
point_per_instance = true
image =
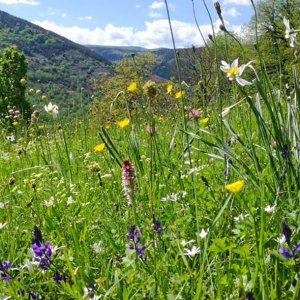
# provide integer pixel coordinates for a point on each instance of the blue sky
(128, 22)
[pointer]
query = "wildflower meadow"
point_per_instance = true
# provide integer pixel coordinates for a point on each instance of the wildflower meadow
(165, 190)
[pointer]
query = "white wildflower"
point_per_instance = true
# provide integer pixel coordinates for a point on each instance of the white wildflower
(97, 247)
(51, 109)
(49, 202)
(195, 250)
(241, 217)
(10, 138)
(289, 33)
(234, 72)
(174, 197)
(281, 240)
(270, 209)
(203, 233)
(70, 200)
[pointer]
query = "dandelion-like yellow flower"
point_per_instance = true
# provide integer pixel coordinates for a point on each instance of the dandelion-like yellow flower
(235, 186)
(203, 121)
(99, 148)
(179, 94)
(123, 123)
(15, 123)
(132, 87)
(169, 88)
(41, 126)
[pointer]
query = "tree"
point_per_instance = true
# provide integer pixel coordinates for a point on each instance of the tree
(13, 78)
(279, 57)
(132, 68)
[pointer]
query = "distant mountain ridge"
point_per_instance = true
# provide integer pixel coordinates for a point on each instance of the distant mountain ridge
(57, 65)
(165, 56)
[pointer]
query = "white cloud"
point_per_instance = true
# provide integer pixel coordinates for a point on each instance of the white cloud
(155, 34)
(231, 12)
(157, 5)
(154, 14)
(64, 15)
(27, 2)
(137, 6)
(237, 2)
(85, 18)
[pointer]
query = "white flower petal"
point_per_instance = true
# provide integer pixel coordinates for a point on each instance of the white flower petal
(242, 81)
(235, 63)
(225, 64)
(224, 69)
(286, 23)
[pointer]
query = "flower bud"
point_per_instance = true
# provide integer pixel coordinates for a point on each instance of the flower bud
(128, 180)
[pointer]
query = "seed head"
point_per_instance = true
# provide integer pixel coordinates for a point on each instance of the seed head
(150, 89)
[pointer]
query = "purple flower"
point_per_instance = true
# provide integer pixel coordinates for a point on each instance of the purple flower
(249, 296)
(289, 253)
(286, 253)
(3, 270)
(285, 153)
(34, 296)
(5, 265)
(157, 227)
(37, 236)
(228, 142)
(286, 232)
(140, 249)
(286, 235)
(134, 235)
(5, 277)
(130, 246)
(57, 277)
(42, 251)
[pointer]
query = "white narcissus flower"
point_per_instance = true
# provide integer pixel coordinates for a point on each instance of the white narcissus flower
(289, 33)
(51, 109)
(195, 250)
(234, 71)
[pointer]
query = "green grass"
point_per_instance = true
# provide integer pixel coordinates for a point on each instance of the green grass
(75, 197)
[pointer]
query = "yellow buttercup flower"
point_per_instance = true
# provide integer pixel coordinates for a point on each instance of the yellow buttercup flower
(99, 148)
(169, 88)
(203, 121)
(179, 94)
(15, 123)
(123, 123)
(235, 186)
(41, 126)
(132, 87)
